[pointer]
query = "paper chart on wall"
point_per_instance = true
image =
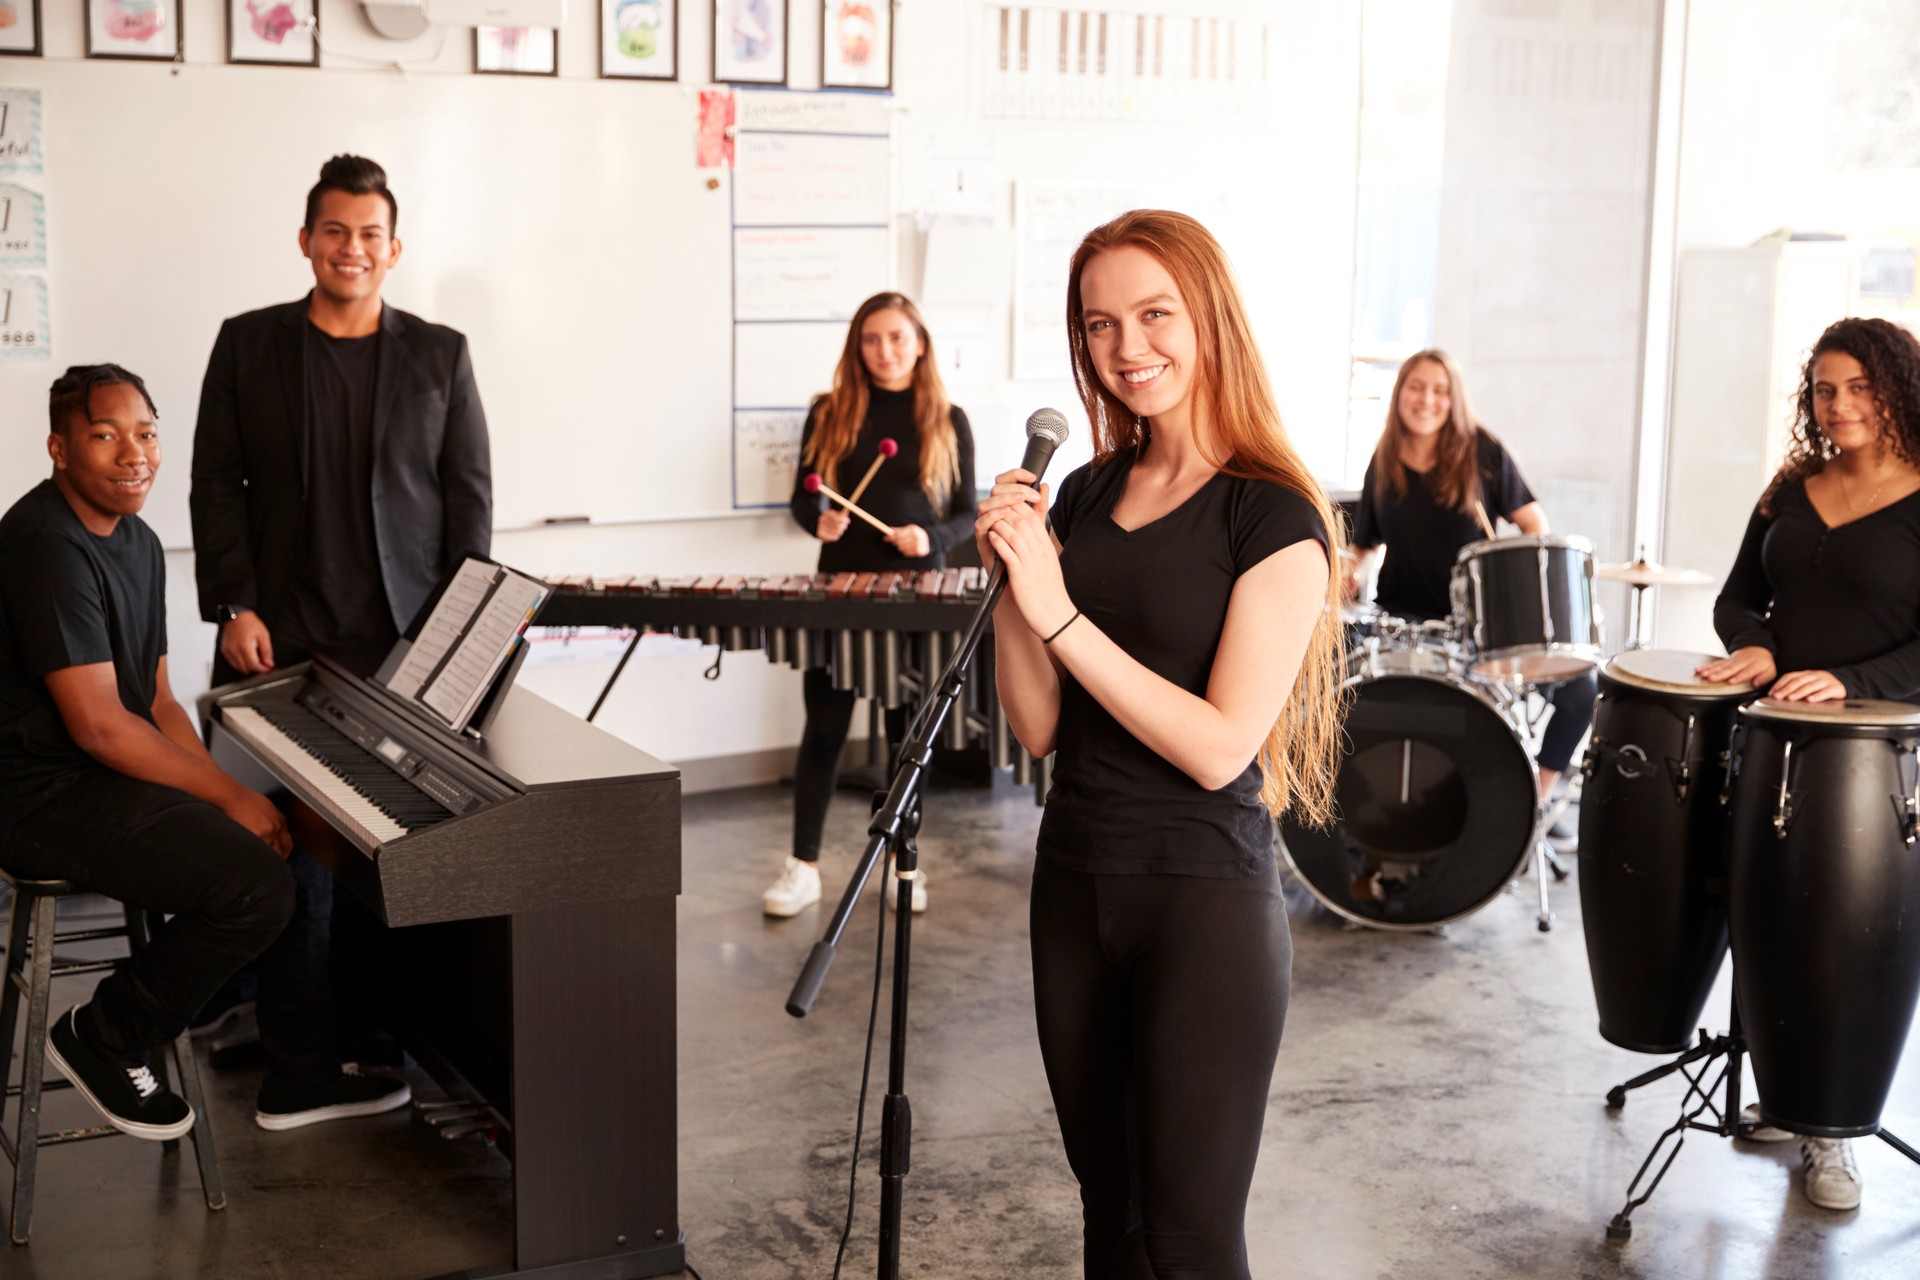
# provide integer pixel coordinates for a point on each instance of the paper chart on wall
(810, 180)
(22, 147)
(23, 227)
(806, 273)
(766, 449)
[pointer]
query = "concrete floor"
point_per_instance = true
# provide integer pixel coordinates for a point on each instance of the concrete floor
(1437, 1112)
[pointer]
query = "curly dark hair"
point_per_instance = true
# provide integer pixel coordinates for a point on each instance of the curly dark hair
(1891, 358)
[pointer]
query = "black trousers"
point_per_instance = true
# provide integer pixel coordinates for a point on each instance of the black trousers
(1572, 702)
(1160, 1001)
(229, 898)
(816, 770)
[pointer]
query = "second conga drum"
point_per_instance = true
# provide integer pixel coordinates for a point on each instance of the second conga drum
(1824, 906)
(1653, 840)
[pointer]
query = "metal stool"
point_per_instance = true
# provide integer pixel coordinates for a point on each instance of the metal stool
(31, 968)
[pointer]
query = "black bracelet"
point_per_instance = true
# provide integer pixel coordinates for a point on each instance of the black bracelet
(1063, 626)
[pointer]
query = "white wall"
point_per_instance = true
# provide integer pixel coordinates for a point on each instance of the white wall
(1287, 181)
(1543, 242)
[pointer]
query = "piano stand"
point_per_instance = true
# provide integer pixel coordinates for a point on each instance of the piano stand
(591, 1124)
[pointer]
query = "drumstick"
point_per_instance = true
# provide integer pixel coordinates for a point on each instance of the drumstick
(814, 484)
(1480, 513)
(888, 448)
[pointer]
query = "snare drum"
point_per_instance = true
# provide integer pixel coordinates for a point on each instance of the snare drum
(1524, 606)
(1824, 905)
(1653, 845)
(1436, 798)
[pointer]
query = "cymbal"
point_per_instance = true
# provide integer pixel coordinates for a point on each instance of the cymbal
(1645, 573)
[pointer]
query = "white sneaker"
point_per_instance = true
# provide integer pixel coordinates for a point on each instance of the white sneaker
(1760, 1130)
(1833, 1180)
(797, 889)
(919, 889)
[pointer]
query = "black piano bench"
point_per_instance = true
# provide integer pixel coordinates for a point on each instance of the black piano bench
(31, 968)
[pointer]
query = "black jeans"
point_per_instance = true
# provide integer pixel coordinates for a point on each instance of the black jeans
(229, 898)
(1160, 1001)
(816, 770)
(1572, 702)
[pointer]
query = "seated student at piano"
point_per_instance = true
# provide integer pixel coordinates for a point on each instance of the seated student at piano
(886, 387)
(1823, 602)
(1436, 479)
(104, 782)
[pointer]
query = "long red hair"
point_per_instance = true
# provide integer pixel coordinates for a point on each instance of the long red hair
(1301, 755)
(843, 410)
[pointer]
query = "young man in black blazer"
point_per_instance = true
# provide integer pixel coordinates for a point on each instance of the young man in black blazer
(340, 464)
(340, 470)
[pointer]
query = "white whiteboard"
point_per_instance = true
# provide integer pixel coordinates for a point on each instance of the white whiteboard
(807, 273)
(559, 223)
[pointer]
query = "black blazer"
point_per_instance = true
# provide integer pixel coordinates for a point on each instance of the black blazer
(432, 479)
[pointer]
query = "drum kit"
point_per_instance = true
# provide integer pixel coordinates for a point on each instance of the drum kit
(1789, 831)
(1438, 792)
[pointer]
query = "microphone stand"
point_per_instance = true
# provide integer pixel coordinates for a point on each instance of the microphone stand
(893, 828)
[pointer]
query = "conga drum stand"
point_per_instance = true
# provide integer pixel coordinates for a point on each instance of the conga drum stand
(1695, 1064)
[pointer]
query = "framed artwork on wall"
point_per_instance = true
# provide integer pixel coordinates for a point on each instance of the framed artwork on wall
(515, 51)
(640, 39)
(750, 41)
(144, 29)
(280, 33)
(856, 44)
(20, 28)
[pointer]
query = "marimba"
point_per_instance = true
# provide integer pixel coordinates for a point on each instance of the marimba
(886, 636)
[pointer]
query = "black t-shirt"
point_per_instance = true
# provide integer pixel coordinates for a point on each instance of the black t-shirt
(894, 498)
(1845, 600)
(337, 602)
(1423, 537)
(69, 598)
(1160, 592)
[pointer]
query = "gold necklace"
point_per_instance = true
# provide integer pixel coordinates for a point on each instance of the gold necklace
(1846, 492)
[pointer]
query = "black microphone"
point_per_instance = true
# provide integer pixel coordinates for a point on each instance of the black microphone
(1046, 431)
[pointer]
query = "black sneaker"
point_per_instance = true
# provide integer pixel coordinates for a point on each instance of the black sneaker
(128, 1096)
(285, 1104)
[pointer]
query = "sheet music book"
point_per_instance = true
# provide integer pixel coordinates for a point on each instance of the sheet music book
(465, 641)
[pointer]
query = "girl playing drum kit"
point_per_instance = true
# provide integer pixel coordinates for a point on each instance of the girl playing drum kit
(1439, 794)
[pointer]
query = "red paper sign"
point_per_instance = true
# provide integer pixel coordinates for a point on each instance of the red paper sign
(714, 139)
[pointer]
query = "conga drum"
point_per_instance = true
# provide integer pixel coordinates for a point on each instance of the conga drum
(1653, 845)
(1824, 905)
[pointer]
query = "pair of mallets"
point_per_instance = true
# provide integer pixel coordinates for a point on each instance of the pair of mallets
(814, 484)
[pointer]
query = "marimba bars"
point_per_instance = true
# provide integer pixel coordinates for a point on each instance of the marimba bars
(886, 636)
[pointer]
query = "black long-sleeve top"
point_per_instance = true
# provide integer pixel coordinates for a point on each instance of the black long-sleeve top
(1844, 600)
(894, 498)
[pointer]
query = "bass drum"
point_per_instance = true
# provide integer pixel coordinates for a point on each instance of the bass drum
(1436, 800)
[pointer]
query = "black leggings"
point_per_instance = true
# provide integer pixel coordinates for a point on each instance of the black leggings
(1160, 1001)
(816, 771)
(1572, 702)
